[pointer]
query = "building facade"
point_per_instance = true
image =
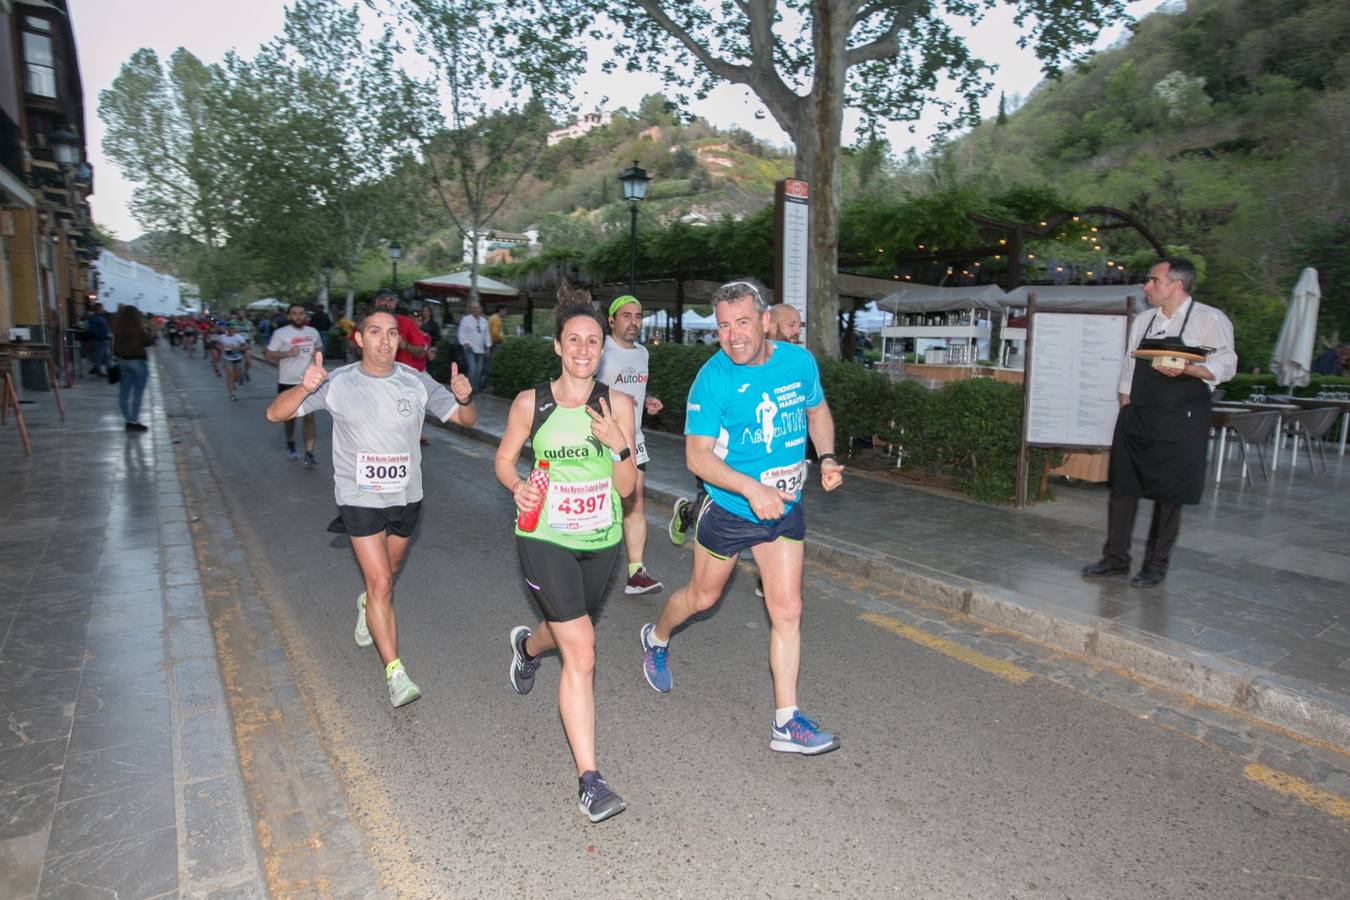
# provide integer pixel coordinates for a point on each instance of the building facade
(47, 245)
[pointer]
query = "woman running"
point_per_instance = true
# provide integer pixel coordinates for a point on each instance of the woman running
(585, 432)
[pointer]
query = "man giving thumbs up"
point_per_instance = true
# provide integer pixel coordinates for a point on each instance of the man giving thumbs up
(377, 407)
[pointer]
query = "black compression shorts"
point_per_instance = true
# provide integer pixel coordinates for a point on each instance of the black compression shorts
(567, 584)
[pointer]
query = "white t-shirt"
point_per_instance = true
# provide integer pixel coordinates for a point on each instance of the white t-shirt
(291, 369)
(626, 370)
(232, 346)
(377, 421)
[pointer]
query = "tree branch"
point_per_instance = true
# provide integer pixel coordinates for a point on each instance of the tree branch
(887, 45)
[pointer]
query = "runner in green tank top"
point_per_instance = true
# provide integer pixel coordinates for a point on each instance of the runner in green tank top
(584, 511)
(586, 434)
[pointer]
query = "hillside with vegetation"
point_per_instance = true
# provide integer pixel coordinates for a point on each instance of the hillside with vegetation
(1225, 126)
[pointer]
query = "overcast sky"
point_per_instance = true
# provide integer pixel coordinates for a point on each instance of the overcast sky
(109, 31)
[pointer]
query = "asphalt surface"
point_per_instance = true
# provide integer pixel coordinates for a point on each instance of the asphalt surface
(951, 782)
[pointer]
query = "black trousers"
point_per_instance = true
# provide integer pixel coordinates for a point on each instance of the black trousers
(1162, 532)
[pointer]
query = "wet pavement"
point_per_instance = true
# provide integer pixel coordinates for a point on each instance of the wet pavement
(117, 770)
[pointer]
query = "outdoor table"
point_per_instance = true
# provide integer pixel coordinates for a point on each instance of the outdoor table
(10, 397)
(1281, 408)
(1319, 403)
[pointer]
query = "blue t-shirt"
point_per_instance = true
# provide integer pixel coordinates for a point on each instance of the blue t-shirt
(758, 416)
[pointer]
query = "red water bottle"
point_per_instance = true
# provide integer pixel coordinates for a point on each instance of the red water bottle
(526, 520)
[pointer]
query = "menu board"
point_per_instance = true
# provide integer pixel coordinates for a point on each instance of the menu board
(1073, 377)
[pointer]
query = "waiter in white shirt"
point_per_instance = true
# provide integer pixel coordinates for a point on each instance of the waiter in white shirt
(1158, 450)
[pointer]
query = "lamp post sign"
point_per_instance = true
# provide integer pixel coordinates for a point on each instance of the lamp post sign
(790, 208)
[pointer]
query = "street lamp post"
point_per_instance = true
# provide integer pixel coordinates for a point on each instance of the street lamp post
(634, 180)
(395, 253)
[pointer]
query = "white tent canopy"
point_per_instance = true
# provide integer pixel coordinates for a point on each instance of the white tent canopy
(1076, 296)
(267, 303)
(925, 298)
(692, 321)
(458, 283)
(1291, 360)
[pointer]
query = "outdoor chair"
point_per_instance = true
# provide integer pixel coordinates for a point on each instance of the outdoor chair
(1256, 429)
(1312, 426)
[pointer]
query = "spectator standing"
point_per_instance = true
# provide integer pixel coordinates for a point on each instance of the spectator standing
(320, 321)
(100, 340)
(429, 326)
(130, 342)
(473, 337)
(496, 334)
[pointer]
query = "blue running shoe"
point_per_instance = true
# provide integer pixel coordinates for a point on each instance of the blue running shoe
(802, 735)
(655, 662)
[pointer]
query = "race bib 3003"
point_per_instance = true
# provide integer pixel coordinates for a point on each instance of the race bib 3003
(788, 479)
(579, 506)
(383, 473)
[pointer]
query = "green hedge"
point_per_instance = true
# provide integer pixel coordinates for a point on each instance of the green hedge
(520, 363)
(1240, 387)
(968, 432)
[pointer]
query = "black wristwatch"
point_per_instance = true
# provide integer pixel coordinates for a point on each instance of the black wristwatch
(465, 402)
(621, 455)
(830, 456)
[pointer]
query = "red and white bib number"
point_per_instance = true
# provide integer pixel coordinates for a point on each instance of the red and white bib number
(579, 506)
(383, 473)
(788, 479)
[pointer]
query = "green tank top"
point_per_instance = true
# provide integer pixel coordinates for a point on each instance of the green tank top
(581, 511)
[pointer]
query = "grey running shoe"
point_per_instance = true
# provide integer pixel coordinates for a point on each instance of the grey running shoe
(310, 460)
(596, 799)
(363, 638)
(522, 668)
(402, 691)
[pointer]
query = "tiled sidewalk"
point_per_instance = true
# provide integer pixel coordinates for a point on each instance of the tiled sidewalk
(118, 774)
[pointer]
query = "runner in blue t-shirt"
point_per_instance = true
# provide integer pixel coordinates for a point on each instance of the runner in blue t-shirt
(748, 417)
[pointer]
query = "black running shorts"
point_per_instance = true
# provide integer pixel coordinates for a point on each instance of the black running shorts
(363, 521)
(724, 534)
(567, 584)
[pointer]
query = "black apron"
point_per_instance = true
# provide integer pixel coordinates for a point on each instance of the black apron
(1158, 449)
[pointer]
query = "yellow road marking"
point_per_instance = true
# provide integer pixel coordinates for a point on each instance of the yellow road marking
(1298, 789)
(996, 667)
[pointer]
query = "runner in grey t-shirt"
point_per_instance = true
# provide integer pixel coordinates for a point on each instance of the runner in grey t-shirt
(378, 406)
(624, 367)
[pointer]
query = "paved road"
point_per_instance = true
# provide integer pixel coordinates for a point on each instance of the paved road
(1030, 777)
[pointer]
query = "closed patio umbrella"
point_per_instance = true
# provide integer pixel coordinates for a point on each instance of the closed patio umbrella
(1291, 360)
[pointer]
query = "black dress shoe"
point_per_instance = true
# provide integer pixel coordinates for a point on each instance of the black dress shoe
(1148, 578)
(1102, 568)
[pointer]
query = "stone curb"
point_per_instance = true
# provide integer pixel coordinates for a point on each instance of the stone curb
(1283, 702)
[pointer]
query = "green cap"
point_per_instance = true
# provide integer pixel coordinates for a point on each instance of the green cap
(620, 301)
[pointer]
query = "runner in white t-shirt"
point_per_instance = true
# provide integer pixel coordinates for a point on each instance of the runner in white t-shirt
(377, 407)
(292, 347)
(624, 367)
